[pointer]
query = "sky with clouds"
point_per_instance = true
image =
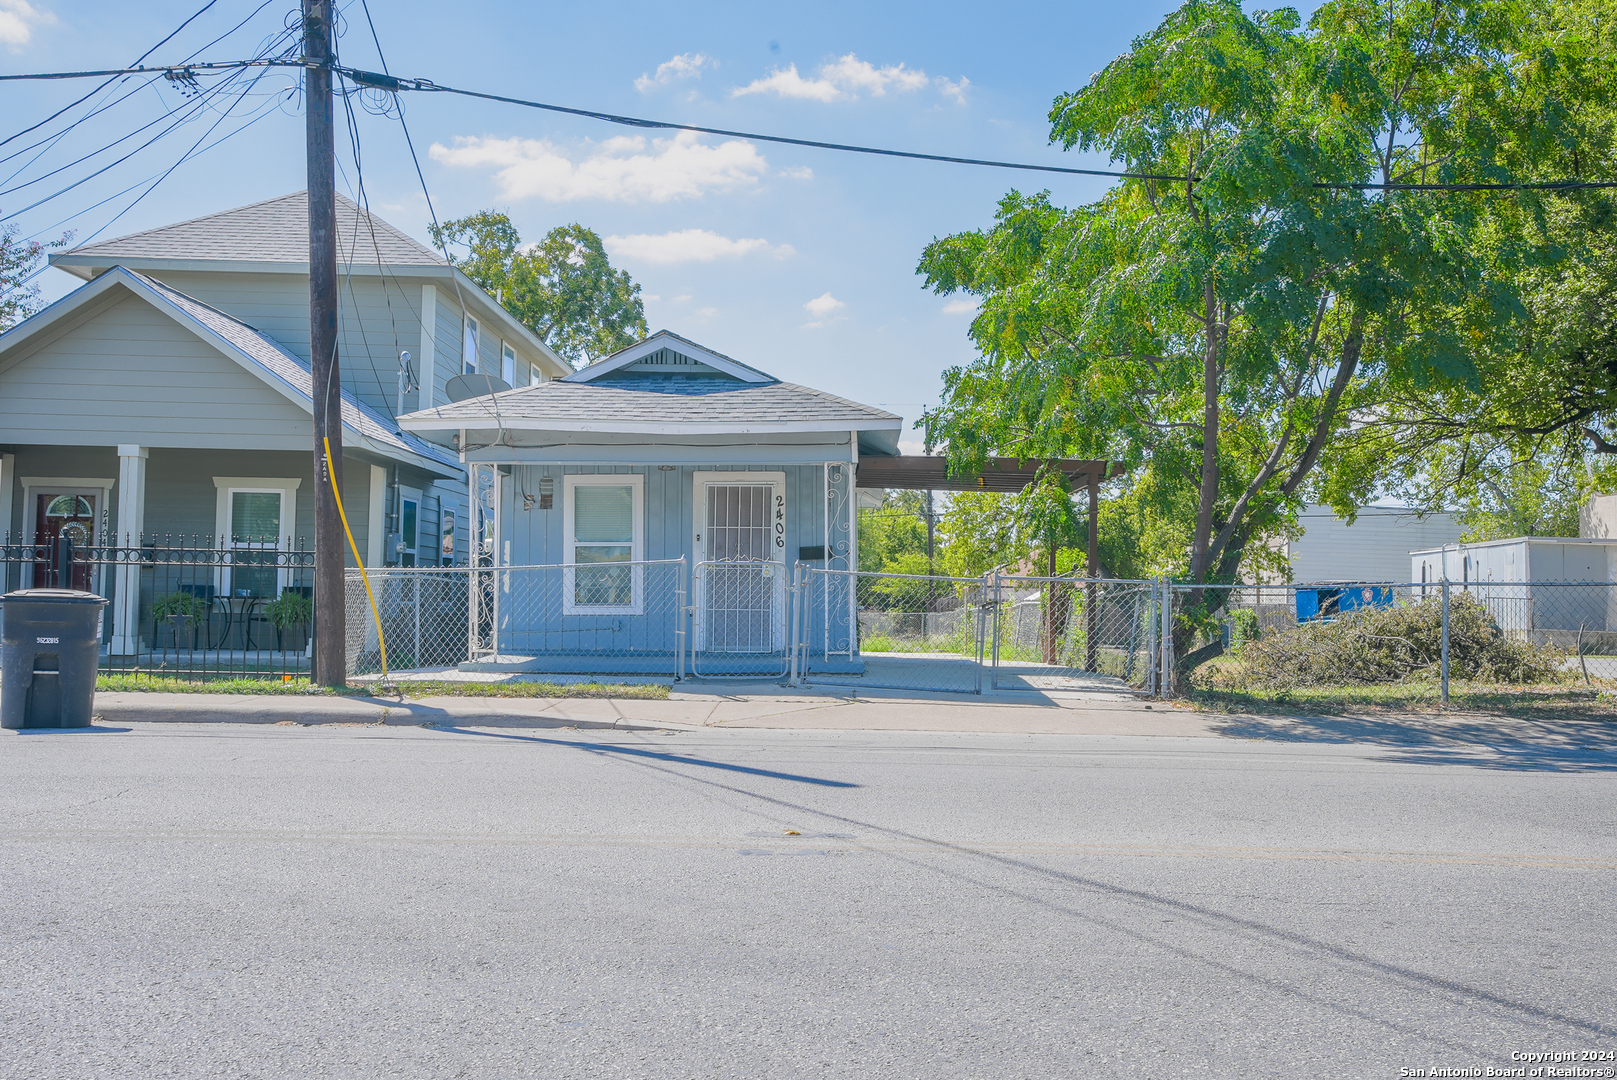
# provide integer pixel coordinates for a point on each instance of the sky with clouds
(796, 260)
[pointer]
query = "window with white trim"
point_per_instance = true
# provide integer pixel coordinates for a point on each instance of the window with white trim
(468, 348)
(603, 523)
(535, 376)
(508, 364)
(255, 531)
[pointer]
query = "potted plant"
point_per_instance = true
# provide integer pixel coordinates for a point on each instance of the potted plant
(286, 611)
(182, 610)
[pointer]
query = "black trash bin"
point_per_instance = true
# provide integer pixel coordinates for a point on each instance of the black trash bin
(50, 645)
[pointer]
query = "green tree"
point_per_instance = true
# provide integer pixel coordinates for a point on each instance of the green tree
(563, 288)
(19, 297)
(1542, 411)
(1219, 333)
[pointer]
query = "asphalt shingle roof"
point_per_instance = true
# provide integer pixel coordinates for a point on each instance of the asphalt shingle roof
(267, 352)
(276, 231)
(659, 400)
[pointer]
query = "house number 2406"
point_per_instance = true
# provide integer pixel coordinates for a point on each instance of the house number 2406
(780, 521)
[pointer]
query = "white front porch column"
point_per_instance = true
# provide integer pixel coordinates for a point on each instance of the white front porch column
(131, 523)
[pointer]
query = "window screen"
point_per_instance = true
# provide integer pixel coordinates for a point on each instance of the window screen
(603, 532)
(255, 527)
(508, 365)
(255, 517)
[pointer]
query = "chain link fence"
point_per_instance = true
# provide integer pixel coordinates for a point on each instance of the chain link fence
(895, 631)
(588, 618)
(1504, 634)
(1052, 633)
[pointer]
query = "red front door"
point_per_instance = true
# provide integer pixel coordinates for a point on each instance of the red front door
(63, 515)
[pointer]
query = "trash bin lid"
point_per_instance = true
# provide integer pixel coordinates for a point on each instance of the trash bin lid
(54, 596)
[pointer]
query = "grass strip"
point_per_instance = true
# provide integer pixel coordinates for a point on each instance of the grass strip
(1541, 701)
(299, 685)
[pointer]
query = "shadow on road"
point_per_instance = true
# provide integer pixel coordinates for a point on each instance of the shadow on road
(982, 869)
(634, 752)
(1483, 742)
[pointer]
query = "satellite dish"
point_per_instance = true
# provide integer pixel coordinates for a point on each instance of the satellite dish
(462, 387)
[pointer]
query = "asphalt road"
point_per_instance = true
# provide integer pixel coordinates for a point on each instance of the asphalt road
(238, 901)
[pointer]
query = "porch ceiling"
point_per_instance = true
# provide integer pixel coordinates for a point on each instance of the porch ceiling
(1003, 474)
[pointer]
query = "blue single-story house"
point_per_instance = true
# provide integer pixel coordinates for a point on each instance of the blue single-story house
(653, 505)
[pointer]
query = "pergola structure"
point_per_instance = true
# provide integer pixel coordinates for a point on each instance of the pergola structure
(1006, 475)
(1011, 475)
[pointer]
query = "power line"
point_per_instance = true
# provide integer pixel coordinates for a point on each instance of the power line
(109, 82)
(173, 70)
(393, 84)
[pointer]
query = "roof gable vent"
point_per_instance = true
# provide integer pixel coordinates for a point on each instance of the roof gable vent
(669, 362)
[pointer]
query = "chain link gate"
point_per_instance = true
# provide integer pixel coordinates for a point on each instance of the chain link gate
(739, 613)
(1070, 634)
(958, 635)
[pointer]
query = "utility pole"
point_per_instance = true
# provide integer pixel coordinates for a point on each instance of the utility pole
(330, 629)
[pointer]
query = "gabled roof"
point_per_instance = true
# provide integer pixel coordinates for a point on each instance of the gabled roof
(260, 355)
(658, 406)
(273, 231)
(667, 339)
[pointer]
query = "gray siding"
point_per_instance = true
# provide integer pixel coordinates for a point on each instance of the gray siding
(181, 498)
(378, 319)
(131, 374)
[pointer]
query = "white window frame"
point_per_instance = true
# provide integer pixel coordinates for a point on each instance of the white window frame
(535, 376)
(635, 481)
(226, 486)
(468, 346)
(508, 364)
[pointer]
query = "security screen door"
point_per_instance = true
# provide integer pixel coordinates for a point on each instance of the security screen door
(742, 587)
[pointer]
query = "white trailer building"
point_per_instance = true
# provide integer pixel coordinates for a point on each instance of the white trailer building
(1550, 587)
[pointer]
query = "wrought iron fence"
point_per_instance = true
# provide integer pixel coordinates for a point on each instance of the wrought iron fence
(187, 606)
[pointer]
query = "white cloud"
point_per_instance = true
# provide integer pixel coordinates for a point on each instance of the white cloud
(689, 245)
(823, 305)
(706, 312)
(960, 307)
(17, 21)
(682, 67)
(952, 89)
(845, 78)
(797, 172)
(625, 169)
(788, 83)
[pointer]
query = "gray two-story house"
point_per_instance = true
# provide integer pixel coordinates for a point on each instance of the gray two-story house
(167, 400)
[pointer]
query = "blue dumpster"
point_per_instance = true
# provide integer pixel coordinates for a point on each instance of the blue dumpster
(1328, 600)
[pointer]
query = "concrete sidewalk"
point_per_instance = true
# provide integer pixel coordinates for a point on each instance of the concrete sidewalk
(766, 707)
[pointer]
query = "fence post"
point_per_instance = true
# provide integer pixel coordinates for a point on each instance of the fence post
(680, 594)
(994, 598)
(795, 614)
(1445, 661)
(1151, 640)
(1165, 679)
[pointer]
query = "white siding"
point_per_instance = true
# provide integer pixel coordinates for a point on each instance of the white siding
(1376, 547)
